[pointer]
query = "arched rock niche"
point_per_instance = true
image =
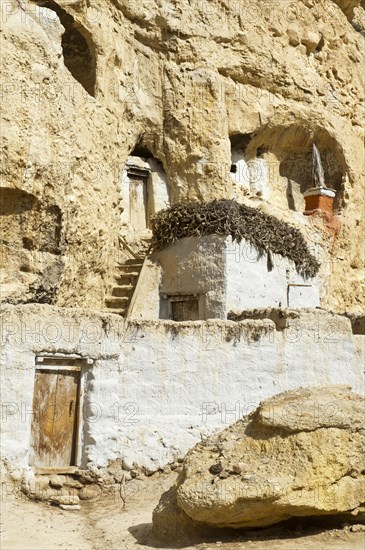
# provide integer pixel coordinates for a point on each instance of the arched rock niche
(144, 191)
(275, 163)
(77, 46)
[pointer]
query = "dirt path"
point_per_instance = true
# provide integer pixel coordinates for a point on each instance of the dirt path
(105, 524)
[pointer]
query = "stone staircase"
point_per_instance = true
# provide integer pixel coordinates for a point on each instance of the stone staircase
(125, 284)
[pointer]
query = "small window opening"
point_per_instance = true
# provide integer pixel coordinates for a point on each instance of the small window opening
(184, 308)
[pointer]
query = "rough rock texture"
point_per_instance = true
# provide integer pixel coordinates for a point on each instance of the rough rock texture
(299, 453)
(177, 78)
(348, 6)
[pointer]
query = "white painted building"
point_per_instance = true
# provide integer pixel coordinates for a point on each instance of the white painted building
(213, 277)
(144, 392)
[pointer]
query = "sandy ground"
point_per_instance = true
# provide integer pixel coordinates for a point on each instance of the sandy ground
(105, 524)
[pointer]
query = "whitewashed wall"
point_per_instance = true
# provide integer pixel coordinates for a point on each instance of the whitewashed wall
(259, 177)
(241, 176)
(195, 266)
(159, 189)
(252, 174)
(229, 277)
(253, 281)
(156, 388)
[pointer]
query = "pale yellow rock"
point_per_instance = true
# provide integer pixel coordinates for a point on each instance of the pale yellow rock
(304, 452)
(89, 492)
(67, 500)
(348, 6)
(293, 34)
(56, 481)
(311, 40)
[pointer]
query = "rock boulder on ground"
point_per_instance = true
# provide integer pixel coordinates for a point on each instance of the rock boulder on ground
(300, 453)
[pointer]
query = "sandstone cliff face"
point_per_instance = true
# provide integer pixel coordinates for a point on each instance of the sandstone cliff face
(299, 454)
(83, 88)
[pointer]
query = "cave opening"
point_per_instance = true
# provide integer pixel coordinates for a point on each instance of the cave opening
(77, 46)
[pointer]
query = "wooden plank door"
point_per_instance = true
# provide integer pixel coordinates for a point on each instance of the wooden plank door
(138, 202)
(185, 310)
(55, 418)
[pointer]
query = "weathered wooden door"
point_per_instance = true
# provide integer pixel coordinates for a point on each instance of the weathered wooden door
(55, 418)
(138, 201)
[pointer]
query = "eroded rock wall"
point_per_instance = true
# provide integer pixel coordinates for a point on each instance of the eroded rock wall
(179, 78)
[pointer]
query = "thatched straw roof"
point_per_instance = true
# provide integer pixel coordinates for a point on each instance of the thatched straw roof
(227, 217)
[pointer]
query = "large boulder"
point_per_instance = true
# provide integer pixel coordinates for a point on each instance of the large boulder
(299, 453)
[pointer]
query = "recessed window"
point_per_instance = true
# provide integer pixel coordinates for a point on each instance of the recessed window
(184, 308)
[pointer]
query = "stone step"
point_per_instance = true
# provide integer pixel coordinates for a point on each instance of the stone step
(133, 261)
(131, 268)
(123, 290)
(130, 273)
(121, 312)
(126, 279)
(117, 302)
(123, 279)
